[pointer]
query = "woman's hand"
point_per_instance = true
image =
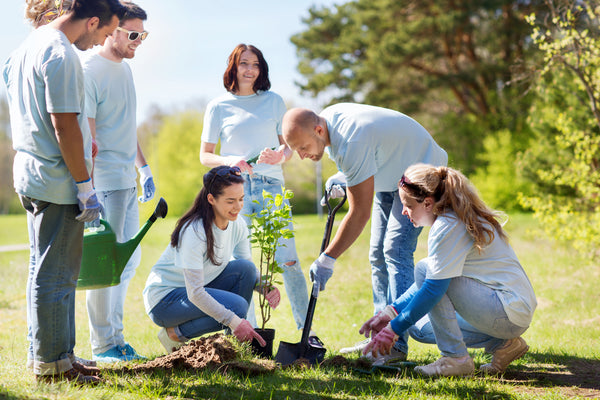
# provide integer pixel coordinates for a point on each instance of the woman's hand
(382, 343)
(270, 156)
(273, 297)
(245, 333)
(234, 161)
(375, 324)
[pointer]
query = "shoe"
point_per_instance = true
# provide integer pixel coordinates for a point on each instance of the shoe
(117, 354)
(387, 359)
(358, 347)
(85, 370)
(447, 366)
(169, 344)
(512, 349)
(314, 341)
(72, 376)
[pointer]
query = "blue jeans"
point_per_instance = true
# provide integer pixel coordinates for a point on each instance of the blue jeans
(286, 256)
(105, 306)
(470, 315)
(232, 288)
(56, 243)
(393, 243)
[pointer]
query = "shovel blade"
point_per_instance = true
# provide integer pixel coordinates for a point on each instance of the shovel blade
(288, 353)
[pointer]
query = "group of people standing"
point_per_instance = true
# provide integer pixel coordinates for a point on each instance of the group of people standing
(74, 130)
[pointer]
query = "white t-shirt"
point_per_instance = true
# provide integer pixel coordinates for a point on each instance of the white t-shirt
(246, 125)
(167, 274)
(373, 141)
(452, 253)
(111, 101)
(44, 76)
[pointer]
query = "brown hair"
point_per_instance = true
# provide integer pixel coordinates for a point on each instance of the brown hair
(215, 181)
(452, 191)
(230, 80)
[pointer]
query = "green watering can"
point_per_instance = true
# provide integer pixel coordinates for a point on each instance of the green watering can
(104, 259)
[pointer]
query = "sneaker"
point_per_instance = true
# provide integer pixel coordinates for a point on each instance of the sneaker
(395, 356)
(72, 376)
(117, 354)
(447, 366)
(512, 349)
(169, 344)
(358, 347)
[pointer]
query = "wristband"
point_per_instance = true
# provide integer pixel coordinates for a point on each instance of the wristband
(390, 311)
(326, 261)
(85, 186)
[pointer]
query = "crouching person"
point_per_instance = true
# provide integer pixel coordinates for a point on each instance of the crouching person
(204, 280)
(471, 286)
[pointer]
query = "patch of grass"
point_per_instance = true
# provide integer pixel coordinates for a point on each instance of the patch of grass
(563, 361)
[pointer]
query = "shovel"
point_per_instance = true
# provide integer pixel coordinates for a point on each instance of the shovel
(288, 353)
(104, 259)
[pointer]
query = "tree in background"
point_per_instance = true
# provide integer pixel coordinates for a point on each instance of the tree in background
(564, 155)
(9, 201)
(449, 61)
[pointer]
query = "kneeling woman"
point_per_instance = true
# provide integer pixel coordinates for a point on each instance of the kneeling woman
(471, 285)
(204, 280)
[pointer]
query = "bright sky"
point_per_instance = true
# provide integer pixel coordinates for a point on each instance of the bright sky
(183, 59)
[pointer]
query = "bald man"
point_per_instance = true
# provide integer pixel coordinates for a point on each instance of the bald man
(371, 147)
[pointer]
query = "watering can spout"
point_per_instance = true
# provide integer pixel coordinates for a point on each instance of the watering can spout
(104, 259)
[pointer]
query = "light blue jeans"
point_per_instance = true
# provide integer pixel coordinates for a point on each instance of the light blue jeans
(470, 315)
(56, 241)
(105, 306)
(232, 288)
(393, 243)
(293, 278)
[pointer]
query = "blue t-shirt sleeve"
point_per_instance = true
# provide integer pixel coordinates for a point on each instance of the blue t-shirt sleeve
(280, 109)
(63, 79)
(211, 129)
(359, 163)
(417, 303)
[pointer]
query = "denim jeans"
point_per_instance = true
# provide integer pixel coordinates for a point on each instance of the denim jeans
(393, 243)
(293, 278)
(470, 315)
(232, 288)
(56, 243)
(105, 306)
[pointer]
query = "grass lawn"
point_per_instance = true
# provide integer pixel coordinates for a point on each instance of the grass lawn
(563, 361)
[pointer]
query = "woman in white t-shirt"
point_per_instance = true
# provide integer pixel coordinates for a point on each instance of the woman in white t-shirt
(203, 281)
(471, 286)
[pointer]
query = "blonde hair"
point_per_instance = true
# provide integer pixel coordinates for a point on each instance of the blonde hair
(452, 191)
(41, 12)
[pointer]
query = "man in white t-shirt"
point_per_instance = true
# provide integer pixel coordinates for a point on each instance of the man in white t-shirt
(53, 146)
(371, 146)
(111, 111)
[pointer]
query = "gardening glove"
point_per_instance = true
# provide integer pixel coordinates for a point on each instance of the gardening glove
(273, 297)
(321, 270)
(335, 186)
(245, 333)
(274, 156)
(375, 324)
(147, 184)
(382, 343)
(88, 202)
(235, 161)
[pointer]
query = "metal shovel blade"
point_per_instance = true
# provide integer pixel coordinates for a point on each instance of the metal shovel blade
(289, 353)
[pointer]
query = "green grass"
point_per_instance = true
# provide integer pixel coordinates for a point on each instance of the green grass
(563, 360)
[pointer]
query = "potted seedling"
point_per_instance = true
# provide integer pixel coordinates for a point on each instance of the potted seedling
(269, 227)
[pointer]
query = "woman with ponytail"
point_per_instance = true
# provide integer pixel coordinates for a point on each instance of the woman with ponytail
(203, 281)
(470, 292)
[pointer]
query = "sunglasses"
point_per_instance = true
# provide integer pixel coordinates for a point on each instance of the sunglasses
(133, 35)
(416, 190)
(222, 173)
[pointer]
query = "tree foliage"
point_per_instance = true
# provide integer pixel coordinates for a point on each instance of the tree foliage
(564, 157)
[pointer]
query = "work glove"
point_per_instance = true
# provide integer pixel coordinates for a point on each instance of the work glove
(89, 205)
(321, 270)
(273, 297)
(382, 343)
(335, 186)
(244, 332)
(147, 184)
(376, 323)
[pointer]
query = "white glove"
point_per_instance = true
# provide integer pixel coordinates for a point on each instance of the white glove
(335, 186)
(321, 270)
(147, 184)
(89, 205)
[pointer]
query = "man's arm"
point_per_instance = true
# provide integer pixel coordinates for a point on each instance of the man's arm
(360, 200)
(70, 142)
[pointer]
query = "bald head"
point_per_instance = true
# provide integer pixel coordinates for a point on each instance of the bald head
(305, 132)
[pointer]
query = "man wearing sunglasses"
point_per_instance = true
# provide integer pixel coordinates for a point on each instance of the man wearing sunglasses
(111, 110)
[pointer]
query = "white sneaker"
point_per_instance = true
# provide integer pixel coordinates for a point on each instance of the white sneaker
(387, 359)
(169, 344)
(447, 366)
(358, 347)
(512, 349)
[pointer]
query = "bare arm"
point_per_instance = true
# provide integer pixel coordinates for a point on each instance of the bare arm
(210, 159)
(360, 200)
(70, 142)
(140, 160)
